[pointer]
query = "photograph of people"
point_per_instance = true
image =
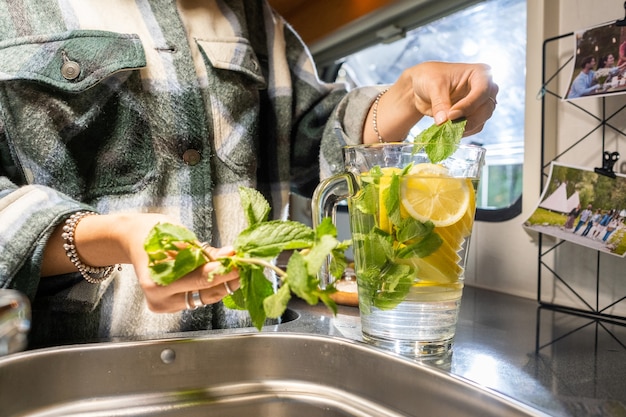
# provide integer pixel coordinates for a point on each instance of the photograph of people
(584, 84)
(584, 218)
(599, 226)
(596, 70)
(571, 217)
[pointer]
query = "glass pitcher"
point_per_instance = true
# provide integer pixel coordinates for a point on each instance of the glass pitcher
(411, 222)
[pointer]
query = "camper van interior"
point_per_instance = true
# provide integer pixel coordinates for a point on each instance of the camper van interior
(542, 323)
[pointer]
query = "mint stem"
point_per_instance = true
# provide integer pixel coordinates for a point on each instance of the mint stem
(256, 261)
(252, 261)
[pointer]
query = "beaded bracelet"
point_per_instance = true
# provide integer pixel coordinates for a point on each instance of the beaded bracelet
(375, 114)
(92, 274)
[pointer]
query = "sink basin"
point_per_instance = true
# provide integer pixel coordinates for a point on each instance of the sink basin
(251, 374)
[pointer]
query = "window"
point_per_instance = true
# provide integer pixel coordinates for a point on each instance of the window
(493, 32)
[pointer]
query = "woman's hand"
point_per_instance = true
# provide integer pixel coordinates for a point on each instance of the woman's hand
(119, 238)
(177, 295)
(444, 91)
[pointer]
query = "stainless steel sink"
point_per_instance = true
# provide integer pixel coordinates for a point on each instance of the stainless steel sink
(252, 374)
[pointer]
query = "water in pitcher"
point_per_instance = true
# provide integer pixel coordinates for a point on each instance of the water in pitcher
(410, 230)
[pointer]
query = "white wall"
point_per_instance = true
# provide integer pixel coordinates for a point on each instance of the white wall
(504, 256)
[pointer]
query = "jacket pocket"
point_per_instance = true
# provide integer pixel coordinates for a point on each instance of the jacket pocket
(235, 76)
(234, 54)
(71, 61)
(72, 112)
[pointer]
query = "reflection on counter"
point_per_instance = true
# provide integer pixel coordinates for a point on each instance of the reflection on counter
(557, 362)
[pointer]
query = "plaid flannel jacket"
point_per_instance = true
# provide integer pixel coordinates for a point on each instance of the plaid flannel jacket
(151, 106)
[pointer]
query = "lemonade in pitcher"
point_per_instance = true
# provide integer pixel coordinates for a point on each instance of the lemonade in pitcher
(411, 209)
(410, 229)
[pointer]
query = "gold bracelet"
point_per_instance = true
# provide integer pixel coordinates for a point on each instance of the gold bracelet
(375, 114)
(92, 274)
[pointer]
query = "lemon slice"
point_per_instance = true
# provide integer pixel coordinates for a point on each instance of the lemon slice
(429, 193)
(385, 182)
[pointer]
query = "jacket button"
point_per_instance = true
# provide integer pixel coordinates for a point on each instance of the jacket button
(191, 157)
(70, 70)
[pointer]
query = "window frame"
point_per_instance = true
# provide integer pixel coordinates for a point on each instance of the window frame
(386, 28)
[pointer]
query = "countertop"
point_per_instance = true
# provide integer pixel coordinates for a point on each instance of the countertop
(561, 363)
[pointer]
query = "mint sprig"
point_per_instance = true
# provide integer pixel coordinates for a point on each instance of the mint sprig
(440, 141)
(386, 276)
(174, 251)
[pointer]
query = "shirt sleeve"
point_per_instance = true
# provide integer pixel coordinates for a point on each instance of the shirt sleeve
(326, 117)
(29, 215)
(345, 127)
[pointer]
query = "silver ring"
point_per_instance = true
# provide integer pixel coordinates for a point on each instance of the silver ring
(228, 290)
(493, 100)
(189, 307)
(197, 301)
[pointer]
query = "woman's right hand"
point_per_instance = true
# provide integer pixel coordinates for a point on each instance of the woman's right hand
(119, 239)
(174, 297)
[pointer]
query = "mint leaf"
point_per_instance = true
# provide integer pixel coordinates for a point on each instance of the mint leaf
(324, 296)
(391, 198)
(326, 243)
(319, 253)
(235, 301)
(300, 282)
(385, 288)
(276, 304)
(255, 287)
(326, 227)
(366, 200)
(255, 207)
(396, 282)
(339, 262)
(173, 251)
(376, 246)
(164, 235)
(377, 173)
(411, 228)
(421, 248)
(269, 239)
(440, 141)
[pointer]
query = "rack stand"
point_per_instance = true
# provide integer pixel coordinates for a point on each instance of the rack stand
(591, 308)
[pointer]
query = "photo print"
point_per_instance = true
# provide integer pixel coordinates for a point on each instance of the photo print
(583, 207)
(600, 62)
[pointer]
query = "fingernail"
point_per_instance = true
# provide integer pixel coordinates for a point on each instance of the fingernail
(456, 115)
(441, 117)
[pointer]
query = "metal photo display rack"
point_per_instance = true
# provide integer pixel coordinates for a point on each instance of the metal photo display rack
(591, 309)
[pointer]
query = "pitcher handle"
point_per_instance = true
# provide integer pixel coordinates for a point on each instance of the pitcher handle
(328, 194)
